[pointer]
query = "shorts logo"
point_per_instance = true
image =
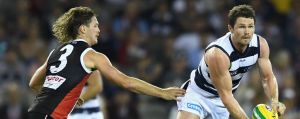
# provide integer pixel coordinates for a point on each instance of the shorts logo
(194, 107)
(54, 81)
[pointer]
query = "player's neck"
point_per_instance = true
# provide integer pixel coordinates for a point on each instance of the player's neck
(238, 46)
(84, 38)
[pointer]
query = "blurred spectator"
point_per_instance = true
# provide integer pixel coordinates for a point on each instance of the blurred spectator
(15, 105)
(193, 41)
(11, 68)
(163, 21)
(123, 106)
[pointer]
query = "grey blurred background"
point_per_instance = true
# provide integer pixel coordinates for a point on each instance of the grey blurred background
(159, 41)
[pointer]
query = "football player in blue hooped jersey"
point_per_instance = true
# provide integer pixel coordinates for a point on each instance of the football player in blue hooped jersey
(209, 91)
(62, 77)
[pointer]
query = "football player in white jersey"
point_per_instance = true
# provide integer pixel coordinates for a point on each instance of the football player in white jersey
(211, 86)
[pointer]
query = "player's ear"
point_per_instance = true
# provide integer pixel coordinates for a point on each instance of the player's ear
(82, 28)
(230, 29)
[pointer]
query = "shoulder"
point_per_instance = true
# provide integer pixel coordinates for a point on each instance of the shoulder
(215, 55)
(92, 54)
(92, 57)
(262, 41)
(264, 47)
(215, 52)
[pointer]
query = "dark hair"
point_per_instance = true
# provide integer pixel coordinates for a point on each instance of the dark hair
(240, 11)
(66, 26)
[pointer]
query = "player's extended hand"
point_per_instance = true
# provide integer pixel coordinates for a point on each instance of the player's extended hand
(172, 93)
(80, 101)
(278, 107)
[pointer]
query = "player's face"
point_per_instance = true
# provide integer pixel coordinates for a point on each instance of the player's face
(243, 30)
(93, 31)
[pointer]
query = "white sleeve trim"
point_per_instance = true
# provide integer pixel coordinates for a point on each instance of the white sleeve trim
(50, 54)
(88, 70)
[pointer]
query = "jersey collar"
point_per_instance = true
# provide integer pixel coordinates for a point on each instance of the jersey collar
(79, 40)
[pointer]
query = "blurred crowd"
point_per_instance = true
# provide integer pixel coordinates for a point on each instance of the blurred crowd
(159, 41)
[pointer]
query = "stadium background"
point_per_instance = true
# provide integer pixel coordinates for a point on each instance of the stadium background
(159, 41)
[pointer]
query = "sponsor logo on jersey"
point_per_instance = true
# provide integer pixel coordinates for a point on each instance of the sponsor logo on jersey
(54, 81)
(194, 107)
(242, 60)
(233, 72)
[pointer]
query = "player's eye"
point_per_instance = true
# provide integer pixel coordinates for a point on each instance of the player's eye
(242, 27)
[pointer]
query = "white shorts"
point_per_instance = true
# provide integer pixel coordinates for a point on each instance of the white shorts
(205, 107)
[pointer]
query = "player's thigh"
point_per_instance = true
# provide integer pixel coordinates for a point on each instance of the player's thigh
(186, 115)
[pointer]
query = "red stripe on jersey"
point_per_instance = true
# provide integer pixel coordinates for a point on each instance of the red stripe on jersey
(68, 102)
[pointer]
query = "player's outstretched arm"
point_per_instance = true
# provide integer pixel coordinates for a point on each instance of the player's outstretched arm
(218, 64)
(97, 60)
(268, 78)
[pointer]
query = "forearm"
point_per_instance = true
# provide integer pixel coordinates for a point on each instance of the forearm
(142, 87)
(234, 108)
(271, 88)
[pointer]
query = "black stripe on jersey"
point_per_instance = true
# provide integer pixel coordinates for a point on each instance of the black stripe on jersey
(240, 70)
(236, 82)
(217, 47)
(185, 84)
(203, 84)
(250, 51)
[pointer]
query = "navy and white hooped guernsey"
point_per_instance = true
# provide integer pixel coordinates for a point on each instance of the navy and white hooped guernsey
(239, 64)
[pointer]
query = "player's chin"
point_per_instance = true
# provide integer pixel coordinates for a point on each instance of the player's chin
(246, 41)
(95, 41)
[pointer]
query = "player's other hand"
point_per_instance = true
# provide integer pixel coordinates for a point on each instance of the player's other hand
(80, 101)
(278, 107)
(172, 93)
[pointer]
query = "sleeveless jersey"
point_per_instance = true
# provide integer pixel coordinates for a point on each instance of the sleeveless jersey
(239, 63)
(66, 75)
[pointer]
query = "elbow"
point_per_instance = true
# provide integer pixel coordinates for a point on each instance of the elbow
(268, 77)
(34, 88)
(31, 85)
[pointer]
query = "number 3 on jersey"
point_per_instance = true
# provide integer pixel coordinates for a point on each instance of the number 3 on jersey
(63, 59)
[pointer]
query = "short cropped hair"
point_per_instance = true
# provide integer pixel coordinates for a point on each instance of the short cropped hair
(66, 26)
(240, 11)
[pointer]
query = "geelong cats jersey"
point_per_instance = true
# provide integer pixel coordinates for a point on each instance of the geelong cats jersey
(239, 63)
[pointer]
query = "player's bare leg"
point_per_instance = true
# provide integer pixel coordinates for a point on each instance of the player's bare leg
(186, 115)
